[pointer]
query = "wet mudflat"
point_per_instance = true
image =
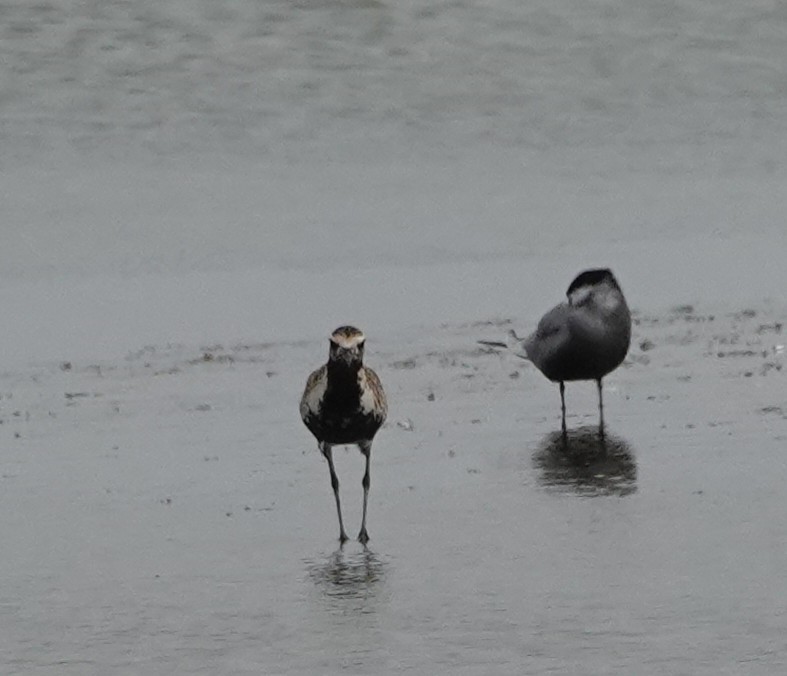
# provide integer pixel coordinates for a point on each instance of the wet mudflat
(196, 194)
(171, 514)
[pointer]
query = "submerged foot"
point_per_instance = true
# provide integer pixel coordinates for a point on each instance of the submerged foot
(343, 537)
(363, 537)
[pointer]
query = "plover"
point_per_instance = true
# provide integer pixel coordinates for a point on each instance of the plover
(583, 339)
(344, 403)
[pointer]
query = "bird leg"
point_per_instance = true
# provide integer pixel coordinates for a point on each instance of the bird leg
(563, 406)
(327, 451)
(600, 409)
(366, 449)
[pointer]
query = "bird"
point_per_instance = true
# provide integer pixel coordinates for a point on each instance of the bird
(344, 404)
(585, 338)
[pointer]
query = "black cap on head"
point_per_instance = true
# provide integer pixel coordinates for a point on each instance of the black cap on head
(592, 278)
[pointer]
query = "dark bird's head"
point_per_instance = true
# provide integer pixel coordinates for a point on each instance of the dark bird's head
(594, 286)
(346, 346)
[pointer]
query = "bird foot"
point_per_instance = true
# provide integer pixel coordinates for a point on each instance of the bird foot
(363, 537)
(343, 537)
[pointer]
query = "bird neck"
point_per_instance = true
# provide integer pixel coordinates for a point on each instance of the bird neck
(340, 372)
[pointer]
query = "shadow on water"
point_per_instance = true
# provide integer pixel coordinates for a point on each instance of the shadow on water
(586, 463)
(348, 578)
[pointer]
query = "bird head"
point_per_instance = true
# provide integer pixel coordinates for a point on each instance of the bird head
(597, 286)
(346, 346)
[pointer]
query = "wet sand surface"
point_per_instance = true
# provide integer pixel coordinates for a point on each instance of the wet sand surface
(167, 512)
(196, 193)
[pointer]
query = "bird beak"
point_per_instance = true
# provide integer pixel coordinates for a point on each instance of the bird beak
(348, 355)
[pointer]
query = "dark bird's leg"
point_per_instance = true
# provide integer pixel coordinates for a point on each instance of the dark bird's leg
(327, 451)
(366, 449)
(563, 405)
(600, 409)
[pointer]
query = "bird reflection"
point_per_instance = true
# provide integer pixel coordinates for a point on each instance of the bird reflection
(584, 462)
(348, 575)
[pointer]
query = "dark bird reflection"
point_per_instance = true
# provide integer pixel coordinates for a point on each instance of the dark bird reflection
(583, 461)
(348, 575)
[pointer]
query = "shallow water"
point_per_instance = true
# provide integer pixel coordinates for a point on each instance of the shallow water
(167, 512)
(196, 193)
(585, 462)
(671, 87)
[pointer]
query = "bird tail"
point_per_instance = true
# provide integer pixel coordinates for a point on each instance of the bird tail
(513, 343)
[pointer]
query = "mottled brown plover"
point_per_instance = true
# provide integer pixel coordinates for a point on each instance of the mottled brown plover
(344, 403)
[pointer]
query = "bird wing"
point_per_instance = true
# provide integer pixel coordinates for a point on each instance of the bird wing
(546, 345)
(553, 322)
(380, 402)
(310, 401)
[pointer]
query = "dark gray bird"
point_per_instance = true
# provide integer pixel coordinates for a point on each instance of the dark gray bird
(344, 403)
(583, 339)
